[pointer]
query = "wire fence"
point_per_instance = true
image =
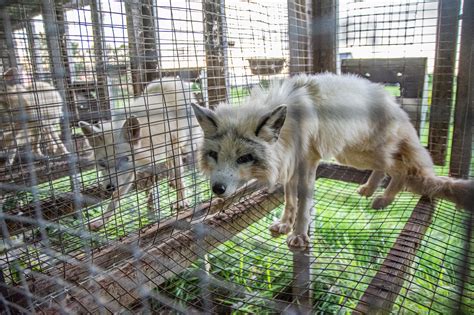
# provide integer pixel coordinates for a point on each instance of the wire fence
(103, 205)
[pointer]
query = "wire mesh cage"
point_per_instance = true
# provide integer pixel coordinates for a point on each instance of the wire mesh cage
(104, 208)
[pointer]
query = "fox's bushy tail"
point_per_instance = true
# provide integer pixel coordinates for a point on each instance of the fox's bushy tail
(459, 191)
(421, 178)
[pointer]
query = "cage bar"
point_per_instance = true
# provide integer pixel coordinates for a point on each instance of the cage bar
(443, 78)
(461, 152)
(100, 65)
(324, 35)
(214, 43)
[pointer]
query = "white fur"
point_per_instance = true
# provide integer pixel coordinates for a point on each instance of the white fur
(30, 114)
(325, 116)
(163, 128)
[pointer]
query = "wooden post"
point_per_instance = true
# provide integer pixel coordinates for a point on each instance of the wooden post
(443, 78)
(214, 39)
(7, 33)
(142, 43)
(134, 25)
(298, 36)
(101, 87)
(149, 39)
(301, 284)
(323, 35)
(70, 111)
(385, 286)
(462, 139)
(53, 21)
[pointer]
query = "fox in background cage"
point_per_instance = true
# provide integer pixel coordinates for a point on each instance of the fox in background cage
(159, 126)
(29, 114)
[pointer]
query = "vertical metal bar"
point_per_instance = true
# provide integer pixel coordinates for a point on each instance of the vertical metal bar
(101, 75)
(298, 36)
(214, 39)
(324, 35)
(443, 78)
(462, 138)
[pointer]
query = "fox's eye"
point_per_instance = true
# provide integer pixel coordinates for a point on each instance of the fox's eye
(245, 159)
(102, 163)
(213, 154)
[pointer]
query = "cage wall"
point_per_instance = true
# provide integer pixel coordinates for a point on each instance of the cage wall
(104, 208)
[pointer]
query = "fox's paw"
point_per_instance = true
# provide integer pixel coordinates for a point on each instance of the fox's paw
(365, 190)
(381, 202)
(298, 242)
(180, 205)
(96, 225)
(279, 228)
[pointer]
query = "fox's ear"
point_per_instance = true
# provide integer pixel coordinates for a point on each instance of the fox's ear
(92, 133)
(131, 130)
(207, 119)
(270, 124)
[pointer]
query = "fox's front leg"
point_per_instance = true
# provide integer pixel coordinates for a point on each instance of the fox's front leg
(285, 224)
(177, 174)
(299, 239)
(114, 202)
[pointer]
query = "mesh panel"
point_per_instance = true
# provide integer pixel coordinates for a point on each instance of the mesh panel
(103, 204)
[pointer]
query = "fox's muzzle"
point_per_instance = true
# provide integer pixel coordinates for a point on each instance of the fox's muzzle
(218, 188)
(224, 182)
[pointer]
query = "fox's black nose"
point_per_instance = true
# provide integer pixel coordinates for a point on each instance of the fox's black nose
(110, 187)
(218, 188)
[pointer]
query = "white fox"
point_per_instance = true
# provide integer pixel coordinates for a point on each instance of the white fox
(158, 126)
(280, 135)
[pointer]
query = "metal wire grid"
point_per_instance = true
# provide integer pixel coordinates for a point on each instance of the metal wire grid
(46, 249)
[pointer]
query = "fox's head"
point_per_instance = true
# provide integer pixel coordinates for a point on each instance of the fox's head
(113, 150)
(239, 145)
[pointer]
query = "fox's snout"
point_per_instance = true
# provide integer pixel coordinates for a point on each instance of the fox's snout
(110, 187)
(218, 188)
(224, 182)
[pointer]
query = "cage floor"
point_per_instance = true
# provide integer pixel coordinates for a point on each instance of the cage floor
(255, 273)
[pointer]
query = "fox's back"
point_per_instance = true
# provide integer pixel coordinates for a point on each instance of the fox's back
(349, 111)
(165, 115)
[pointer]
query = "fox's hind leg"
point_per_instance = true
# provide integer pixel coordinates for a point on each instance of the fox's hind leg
(36, 141)
(368, 189)
(396, 185)
(285, 224)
